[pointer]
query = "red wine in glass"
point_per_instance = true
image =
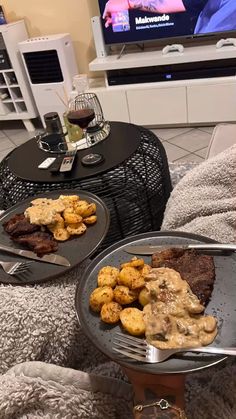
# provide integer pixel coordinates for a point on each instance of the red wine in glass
(81, 117)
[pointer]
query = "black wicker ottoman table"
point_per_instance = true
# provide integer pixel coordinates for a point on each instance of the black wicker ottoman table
(133, 178)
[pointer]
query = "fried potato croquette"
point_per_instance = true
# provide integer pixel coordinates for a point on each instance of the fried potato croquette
(110, 312)
(134, 262)
(108, 276)
(76, 229)
(71, 217)
(123, 295)
(128, 285)
(132, 321)
(70, 199)
(99, 297)
(90, 220)
(85, 209)
(90, 210)
(138, 283)
(126, 276)
(145, 270)
(80, 207)
(143, 297)
(61, 234)
(131, 278)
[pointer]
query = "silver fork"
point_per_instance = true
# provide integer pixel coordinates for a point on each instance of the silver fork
(140, 350)
(15, 268)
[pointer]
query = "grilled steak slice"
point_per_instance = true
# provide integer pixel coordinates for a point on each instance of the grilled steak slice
(30, 235)
(18, 225)
(197, 269)
(40, 242)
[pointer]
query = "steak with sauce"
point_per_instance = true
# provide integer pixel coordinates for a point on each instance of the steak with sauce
(197, 269)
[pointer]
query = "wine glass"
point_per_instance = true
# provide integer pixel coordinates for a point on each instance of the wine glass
(81, 113)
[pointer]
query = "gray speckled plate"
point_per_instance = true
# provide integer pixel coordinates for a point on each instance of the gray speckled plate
(221, 305)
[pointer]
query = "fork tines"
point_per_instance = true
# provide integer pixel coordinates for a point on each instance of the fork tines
(130, 346)
(20, 267)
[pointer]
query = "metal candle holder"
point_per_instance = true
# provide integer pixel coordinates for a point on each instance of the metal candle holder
(98, 129)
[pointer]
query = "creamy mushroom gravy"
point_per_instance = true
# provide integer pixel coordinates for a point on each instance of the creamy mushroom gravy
(174, 316)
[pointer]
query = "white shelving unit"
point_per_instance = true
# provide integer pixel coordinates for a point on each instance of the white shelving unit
(16, 99)
(182, 102)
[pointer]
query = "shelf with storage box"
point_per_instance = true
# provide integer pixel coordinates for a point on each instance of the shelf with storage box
(16, 99)
(184, 102)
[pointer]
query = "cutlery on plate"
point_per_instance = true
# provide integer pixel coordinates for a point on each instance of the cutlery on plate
(150, 249)
(52, 258)
(15, 268)
(140, 350)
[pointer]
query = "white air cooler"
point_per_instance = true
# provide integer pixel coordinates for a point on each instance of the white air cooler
(50, 65)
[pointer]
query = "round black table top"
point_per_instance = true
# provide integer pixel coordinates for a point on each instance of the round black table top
(121, 143)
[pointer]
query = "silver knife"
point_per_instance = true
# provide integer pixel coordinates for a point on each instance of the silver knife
(149, 249)
(52, 258)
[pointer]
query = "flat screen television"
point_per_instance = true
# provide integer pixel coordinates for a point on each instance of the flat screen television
(138, 21)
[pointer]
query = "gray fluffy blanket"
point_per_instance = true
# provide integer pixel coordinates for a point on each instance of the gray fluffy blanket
(39, 390)
(204, 201)
(39, 324)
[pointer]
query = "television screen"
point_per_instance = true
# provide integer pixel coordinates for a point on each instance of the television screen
(126, 21)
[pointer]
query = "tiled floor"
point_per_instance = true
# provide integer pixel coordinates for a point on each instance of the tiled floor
(185, 144)
(181, 144)
(12, 134)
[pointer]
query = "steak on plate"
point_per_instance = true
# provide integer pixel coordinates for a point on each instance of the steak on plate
(18, 225)
(197, 269)
(30, 235)
(40, 242)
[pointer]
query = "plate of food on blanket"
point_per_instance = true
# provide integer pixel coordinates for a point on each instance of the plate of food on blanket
(70, 223)
(174, 298)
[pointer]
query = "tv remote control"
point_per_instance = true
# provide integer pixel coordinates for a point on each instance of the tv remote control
(68, 161)
(47, 163)
(55, 167)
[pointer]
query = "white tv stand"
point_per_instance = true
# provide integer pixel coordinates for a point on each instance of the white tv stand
(182, 102)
